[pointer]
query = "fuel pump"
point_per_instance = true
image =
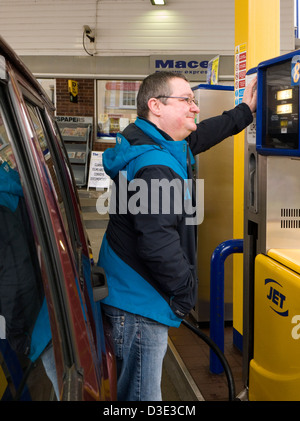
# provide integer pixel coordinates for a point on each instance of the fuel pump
(271, 289)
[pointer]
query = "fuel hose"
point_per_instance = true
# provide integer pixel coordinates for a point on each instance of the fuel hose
(220, 355)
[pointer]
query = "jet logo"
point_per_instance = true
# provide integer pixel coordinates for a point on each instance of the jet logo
(276, 297)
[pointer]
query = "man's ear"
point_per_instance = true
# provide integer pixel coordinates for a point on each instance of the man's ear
(155, 106)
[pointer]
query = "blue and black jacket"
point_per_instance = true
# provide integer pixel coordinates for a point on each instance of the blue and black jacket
(150, 256)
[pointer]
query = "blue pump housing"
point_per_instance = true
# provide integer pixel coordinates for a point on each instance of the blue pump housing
(277, 119)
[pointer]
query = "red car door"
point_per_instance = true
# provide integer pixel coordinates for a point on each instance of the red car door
(65, 315)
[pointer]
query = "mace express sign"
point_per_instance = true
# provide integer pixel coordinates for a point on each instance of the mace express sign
(194, 68)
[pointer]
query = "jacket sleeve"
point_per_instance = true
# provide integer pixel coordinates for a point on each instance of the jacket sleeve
(215, 129)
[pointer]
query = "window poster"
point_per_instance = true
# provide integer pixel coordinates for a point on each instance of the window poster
(97, 176)
(240, 72)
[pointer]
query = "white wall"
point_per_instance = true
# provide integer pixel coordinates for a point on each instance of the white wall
(287, 37)
(127, 27)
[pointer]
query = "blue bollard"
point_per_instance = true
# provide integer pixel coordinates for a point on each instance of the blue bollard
(217, 297)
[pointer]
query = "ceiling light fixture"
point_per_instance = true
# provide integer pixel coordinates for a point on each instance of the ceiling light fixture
(158, 2)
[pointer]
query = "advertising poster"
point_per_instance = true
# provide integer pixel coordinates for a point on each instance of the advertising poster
(213, 71)
(240, 72)
(97, 176)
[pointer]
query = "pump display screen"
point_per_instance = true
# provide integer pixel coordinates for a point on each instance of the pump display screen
(282, 108)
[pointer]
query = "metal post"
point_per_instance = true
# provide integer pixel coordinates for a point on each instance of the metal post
(217, 297)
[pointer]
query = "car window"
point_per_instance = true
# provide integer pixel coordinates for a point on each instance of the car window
(21, 286)
(33, 111)
(60, 181)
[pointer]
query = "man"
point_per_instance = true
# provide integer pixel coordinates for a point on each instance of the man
(148, 253)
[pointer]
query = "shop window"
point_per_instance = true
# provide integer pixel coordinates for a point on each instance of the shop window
(116, 105)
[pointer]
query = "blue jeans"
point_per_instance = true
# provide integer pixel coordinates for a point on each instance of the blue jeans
(140, 346)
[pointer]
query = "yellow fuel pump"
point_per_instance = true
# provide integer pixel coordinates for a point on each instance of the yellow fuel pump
(275, 366)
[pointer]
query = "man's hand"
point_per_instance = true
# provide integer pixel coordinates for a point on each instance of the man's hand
(250, 94)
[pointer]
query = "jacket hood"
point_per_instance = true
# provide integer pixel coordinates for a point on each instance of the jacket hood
(137, 139)
(10, 187)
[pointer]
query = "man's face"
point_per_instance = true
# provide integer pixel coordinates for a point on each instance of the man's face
(177, 116)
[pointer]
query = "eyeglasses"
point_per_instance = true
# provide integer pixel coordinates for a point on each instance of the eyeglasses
(189, 101)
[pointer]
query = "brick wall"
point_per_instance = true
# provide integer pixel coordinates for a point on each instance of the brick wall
(84, 106)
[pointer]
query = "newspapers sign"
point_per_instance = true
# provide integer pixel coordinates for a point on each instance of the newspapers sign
(74, 119)
(97, 176)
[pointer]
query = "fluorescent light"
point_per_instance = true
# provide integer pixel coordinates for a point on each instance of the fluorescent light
(158, 2)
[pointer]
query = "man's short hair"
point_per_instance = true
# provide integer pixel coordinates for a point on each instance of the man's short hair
(153, 86)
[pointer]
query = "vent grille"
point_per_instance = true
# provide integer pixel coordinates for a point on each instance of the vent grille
(291, 214)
